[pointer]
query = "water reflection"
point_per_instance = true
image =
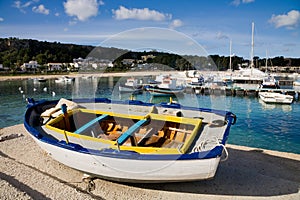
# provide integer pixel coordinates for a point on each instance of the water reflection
(270, 106)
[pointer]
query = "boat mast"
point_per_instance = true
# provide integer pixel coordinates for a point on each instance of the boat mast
(230, 55)
(252, 47)
(266, 61)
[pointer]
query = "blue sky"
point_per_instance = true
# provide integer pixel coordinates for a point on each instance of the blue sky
(210, 23)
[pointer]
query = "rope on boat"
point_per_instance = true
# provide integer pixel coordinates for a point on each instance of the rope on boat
(226, 153)
(215, 140)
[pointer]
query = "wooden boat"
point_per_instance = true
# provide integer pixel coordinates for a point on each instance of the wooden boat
(273, 97)
(131, 141)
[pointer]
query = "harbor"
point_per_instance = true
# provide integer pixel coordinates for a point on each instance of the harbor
(145, 100)
(249, 111)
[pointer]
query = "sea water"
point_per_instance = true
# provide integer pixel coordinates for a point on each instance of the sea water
(268, 126)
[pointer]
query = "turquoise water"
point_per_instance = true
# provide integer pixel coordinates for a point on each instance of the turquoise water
(274, 127)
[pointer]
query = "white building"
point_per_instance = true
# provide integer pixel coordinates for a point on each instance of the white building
(31, 66)
(54, 66)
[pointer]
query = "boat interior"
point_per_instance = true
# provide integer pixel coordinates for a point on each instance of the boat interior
(153, 130)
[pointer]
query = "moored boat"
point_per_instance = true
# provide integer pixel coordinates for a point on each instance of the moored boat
(296, 83)
(273, 97)
(167, 86)
(159, 91)
(39, 80)
(131, 86)
(65, 79)
(155, 143)
(269, 82)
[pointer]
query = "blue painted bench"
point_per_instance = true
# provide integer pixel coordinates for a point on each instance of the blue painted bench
(90, 123)
(121, 140)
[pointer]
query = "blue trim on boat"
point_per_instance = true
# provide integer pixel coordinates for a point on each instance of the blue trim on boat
(90, 123)
(130, 131)
(113, 153)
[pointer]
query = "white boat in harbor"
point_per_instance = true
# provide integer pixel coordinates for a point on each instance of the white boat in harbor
(167, 86)
(131, 141)
(39, 80)
(131, 86)
(296, 83)
(273, 97)
(269, 82)
(65, 79)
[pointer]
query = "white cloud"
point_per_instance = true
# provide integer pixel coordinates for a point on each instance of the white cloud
(1, 19)
(41, 9)
(82, 9)
(221, 36)
(139, 14)
(176, 23)
(290, 20)
(238, 2)
(56, 14)
(73, 22)
(248, 1)
(21, 6)
(101, 3)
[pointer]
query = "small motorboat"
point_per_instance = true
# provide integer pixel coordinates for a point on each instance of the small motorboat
(131, 86)
(269, 82)
(273, 97)
(65, 79)
(296, 82)
(166, 86)
(39, 80)
(131, 141)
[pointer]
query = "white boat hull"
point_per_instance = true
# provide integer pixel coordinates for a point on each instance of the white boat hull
(128, 89)
(132, 170)
(296, 83)
(165, 92)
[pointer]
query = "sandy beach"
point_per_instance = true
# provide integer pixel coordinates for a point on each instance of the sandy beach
(27, 172)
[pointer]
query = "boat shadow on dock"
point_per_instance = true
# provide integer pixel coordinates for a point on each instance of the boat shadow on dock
(245, 173)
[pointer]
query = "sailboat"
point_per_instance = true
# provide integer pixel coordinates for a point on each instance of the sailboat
(251, 76)
(269, 81)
